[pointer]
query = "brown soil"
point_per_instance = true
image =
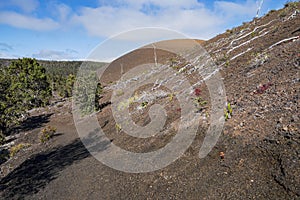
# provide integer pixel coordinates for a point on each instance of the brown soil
(256, 157)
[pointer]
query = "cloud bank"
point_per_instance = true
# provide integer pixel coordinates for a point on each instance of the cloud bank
(189, 17)
(112, 17)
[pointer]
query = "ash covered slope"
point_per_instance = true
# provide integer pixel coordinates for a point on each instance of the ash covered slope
(260, 66)
(259, 62)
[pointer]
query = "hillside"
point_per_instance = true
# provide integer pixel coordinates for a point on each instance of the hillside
(257, 155)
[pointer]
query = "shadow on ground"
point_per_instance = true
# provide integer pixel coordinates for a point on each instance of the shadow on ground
(32, 122)
(36, 172)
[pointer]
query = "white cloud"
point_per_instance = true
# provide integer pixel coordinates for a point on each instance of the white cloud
(161, 3)
(28, 22)
(60, 11)
(68, 54)
(106, 21)
(26, 5)
(189, 17)
(64, 11)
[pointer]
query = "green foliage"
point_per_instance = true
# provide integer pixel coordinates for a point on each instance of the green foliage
(118, 127)
(144, 104)
(229, 108)
(23, 85)
(63, 75)
(228, 112)
(65, 87)
(227, 63)
(88, 93)
(199, 101)
(47, 133)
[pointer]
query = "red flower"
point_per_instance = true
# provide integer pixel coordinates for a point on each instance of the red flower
(262, 88)
(197, 92)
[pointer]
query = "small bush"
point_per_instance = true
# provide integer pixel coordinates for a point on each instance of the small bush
(228, 112)
(171, 96)
(227, 63)
(15, 149)
(230, 31)
(282, 14)
(200, 104)
(291, 4)
(144, 104)
(271, 11)
(118, 127)
(47, 133)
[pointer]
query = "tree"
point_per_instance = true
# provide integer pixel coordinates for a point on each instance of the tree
(69, 84)
(87, 93)
(23, 85)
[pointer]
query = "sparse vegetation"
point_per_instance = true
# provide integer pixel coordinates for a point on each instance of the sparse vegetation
(227, 63)
(288, 6)
(47, 133)
(118, 127)
(291, 4)
(230, 31)
(282, 14)
(15, 149)
(119, 92)
(228, 112)
(171, 97)
(200, 103)
(272, 11)
(144, 104)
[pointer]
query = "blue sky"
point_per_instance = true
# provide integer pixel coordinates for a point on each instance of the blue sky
(70, 29)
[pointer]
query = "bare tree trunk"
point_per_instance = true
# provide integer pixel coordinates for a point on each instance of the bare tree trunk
(259, 8)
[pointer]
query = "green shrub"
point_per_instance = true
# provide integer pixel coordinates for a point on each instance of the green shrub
(228, 112)
(87, 94)
(23, 85)
(47, 133)
(118, 127)
(144, 104)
